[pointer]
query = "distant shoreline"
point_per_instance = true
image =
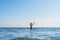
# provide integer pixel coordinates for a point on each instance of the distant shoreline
(28, 27)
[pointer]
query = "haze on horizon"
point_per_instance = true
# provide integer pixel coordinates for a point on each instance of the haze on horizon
(18, 13)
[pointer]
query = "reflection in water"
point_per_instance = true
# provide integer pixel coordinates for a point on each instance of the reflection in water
(31, 32)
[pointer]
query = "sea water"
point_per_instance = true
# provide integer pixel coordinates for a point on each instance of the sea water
(35, 33)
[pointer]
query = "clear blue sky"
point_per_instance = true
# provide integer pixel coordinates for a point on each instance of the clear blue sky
(45, 13)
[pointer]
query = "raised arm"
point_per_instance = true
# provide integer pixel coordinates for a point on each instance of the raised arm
(30, 23)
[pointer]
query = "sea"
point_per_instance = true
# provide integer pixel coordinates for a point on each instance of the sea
(34, 33)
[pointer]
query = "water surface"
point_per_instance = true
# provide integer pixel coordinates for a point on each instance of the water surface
(36, 33)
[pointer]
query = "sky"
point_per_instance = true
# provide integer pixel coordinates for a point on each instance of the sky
(19, 13)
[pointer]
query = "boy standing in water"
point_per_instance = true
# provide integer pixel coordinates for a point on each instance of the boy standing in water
(31, 24)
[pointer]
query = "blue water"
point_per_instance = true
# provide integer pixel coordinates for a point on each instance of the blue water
(35, 33)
